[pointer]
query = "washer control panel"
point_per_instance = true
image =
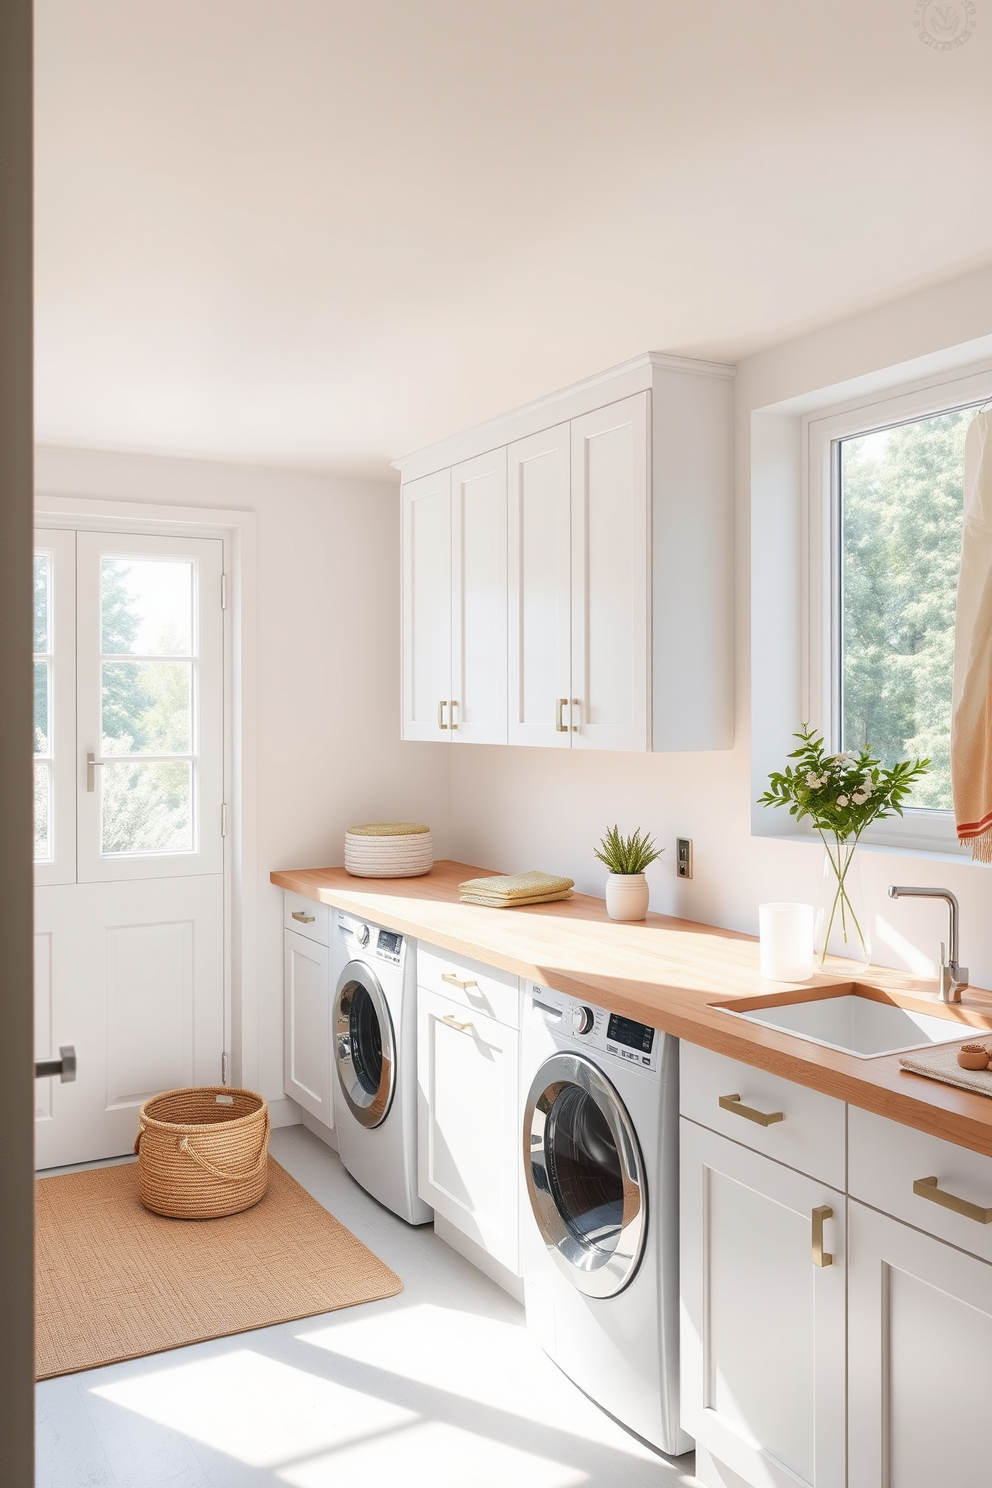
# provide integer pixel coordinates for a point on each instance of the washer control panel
(382, 945)
(609, 1033)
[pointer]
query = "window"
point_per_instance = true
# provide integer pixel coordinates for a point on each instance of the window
(885, 520)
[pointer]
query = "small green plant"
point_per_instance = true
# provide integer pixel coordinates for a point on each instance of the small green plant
(627, 854)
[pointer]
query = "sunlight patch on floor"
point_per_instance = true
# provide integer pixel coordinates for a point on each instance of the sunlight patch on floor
(255, 1409)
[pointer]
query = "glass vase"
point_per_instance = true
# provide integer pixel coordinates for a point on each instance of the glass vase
(841, 927)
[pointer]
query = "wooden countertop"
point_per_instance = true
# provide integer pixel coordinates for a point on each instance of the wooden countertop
(671, 974)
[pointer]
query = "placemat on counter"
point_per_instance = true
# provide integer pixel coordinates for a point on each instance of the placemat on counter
(942, 1064)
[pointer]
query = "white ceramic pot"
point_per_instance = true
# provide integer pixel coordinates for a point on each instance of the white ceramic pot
(627, 896)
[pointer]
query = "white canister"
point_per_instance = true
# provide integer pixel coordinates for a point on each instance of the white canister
(786, 935)
(627, 896)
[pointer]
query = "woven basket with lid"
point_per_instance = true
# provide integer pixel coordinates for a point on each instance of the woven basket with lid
(388, 850)
(203, 1152)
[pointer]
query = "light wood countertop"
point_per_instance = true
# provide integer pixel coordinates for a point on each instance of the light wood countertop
(671, 974)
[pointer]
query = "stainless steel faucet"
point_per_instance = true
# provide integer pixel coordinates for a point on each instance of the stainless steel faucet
(953, 976)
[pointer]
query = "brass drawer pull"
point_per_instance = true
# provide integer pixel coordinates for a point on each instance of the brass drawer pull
(304, 919)
(733, 1104)
(821, 1257)
(440, 715)
(926, 1188)
(560, 726)
(454, 705)
(453, 1022)
(453, 981)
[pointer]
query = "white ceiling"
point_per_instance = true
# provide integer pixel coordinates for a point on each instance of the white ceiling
(319, 233)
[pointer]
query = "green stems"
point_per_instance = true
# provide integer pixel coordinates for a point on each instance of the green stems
(840, 858)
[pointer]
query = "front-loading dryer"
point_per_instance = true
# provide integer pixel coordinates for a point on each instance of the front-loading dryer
(600, 1235)
(374, 1053)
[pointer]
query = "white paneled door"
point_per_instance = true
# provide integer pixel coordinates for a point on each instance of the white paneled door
(129, 773)
(478, 600)
(427, 607)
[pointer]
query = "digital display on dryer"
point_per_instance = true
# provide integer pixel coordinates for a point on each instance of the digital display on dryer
(389, 942)
(634, 1035)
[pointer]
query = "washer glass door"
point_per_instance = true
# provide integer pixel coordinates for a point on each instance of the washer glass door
(364, 1048)
(585, 1175)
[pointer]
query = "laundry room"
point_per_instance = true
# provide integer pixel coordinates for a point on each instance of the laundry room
(498, 978)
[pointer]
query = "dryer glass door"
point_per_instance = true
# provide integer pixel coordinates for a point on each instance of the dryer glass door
(585, 1175)
(364, 1048)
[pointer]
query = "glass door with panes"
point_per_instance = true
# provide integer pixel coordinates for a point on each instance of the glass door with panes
(129, 822)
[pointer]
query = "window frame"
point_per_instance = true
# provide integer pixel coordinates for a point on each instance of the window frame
(921, 830)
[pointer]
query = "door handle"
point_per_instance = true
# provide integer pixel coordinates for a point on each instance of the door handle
(926, 1188)
(453, 981)
(92, 765)
(560, 726)
(734, 1104)
(440, 715)
(304, 919)
(64, 1066)
(821, 1257)
(453, 1022)
(454, 705)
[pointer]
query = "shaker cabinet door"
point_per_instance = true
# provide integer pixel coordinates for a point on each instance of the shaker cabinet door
(611, 564)
(478, 600)
(469, 1157)
(920, 1366)
(762, 1324)
(539, 588)
(307, 996)
(426, 506)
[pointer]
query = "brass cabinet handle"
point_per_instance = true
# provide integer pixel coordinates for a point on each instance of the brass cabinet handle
(733, 1104)
(575, 726)
(304, 919)
(926, 1188)
(453, 981)
(821, 1257)
(453, 1022)
(560, 725)
(454, 705)
(440, 715)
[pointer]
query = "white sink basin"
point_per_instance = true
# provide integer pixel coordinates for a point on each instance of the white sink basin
(856, 1024)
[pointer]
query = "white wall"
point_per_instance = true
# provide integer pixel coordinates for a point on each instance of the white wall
(327, 674)
(515, 809)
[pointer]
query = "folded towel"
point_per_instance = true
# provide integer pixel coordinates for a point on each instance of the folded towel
(510, 888)
(494, 901)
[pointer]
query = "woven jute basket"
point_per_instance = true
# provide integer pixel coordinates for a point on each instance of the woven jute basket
(202, 1152)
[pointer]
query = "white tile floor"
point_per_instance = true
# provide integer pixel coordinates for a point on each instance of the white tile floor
(440, 1386)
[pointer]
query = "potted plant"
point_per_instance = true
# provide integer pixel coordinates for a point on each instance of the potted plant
(841, 794)
(627, 891)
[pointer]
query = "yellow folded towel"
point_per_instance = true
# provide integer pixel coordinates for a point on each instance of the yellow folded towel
(511, 888)
(495, 902)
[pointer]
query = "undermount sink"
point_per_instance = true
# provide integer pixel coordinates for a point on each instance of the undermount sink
(854, 1019)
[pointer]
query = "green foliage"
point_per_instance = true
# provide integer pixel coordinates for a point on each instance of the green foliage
(902, 509)
(841, 793)
(627, 854)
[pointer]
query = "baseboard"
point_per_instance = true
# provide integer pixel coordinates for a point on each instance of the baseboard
(480, 1258)
(284, 1112)
(715, 1474)
(325, 1133)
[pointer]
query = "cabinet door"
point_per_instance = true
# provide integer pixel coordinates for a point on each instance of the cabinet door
(611, 545)
(763, 1326)
(307, 993)
(920, 1358)
(469, 1144)
(478, 600)
(538, 588)
(426, 505)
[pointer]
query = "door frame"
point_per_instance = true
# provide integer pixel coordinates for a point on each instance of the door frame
(236, 530)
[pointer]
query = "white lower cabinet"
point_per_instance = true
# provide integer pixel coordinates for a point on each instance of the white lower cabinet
(307, 996)
(762, 1314)
(920, 1373)
(468, 1137)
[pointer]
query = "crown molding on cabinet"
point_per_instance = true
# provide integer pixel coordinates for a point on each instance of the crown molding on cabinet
(633, 376)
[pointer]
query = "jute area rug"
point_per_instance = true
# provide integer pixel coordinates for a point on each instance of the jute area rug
(115, 1282)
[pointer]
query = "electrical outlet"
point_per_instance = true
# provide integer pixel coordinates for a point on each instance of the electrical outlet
(683, 857)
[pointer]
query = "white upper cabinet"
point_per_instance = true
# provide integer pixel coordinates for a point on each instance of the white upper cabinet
(583, 547)
(478, 600)
(427, 607)
(539, 498)
(610, 702)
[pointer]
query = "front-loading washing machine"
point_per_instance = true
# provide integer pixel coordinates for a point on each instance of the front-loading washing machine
(374, 1052)
(600, 1235)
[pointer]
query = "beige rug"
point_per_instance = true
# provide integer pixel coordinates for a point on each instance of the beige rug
(115, 1282)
